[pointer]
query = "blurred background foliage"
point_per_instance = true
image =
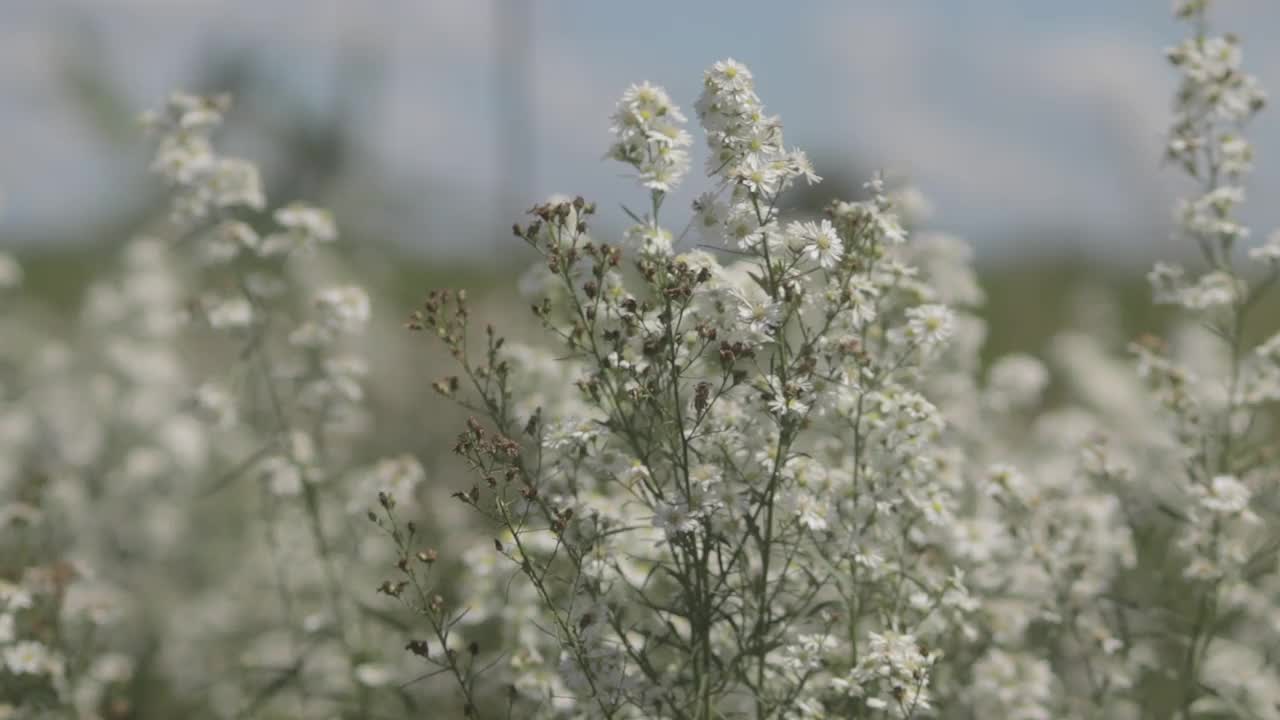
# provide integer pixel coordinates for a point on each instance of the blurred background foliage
(318, 152)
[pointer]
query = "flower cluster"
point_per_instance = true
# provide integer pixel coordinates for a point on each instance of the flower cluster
(770, 475)
(212, 396)
(775, 481)
(649, 135)
(716, 430)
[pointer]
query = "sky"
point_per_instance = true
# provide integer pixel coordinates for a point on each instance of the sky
(1013, 116)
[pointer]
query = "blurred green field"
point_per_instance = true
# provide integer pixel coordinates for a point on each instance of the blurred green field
(1026, 303)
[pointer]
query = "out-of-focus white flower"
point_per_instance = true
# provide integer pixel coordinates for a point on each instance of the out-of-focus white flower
(227, 241)
(673, 518)
(28, 658)
(302, 228)
(315, 223)
(374, 675)
(235, 182)
(1268, 252)
(100, 603)
(1225, 494)
(217, 403)
(1019, 380)
(345, 308)
(1211, 290)
(230, 313)
(283, 476)
(811, 512)
(112, 668)
(399, 477)
(14, 597)
(1014, 687)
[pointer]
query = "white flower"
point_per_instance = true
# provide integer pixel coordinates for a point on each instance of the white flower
(1019, 380)
(1268, 252)
(711, 213)
(1014, 687)
(1006, 481)
(399, 477)
(1225, 494)
(100, 603)
(217, 403)
(571, 433)
(811, 511)
(653, 242)
(757, 175)
(28, 658)
(706, 476)
(729, 77)
(758, 312)
(230, 313)
(14, 597)
(930, 324)
(228, 239)
(673, 518)
(313, 223)
(303, 227)
(112, 668)
(374, 675)
(977, 539)
(345, 308)
(819, 242)
(649, 135)
(807, 652)
(895, 668)
(283, 476)
(1269, 349)
(236, 182)
(310, 335)
(1211, 290)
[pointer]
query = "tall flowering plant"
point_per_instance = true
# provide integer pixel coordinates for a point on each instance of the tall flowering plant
(766, 478)
(179, 472)
(758, 469)
(732, 501)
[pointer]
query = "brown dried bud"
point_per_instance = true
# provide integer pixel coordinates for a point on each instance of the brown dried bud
(701, 396)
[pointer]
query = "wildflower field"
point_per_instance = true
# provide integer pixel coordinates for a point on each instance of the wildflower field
(745, 459)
